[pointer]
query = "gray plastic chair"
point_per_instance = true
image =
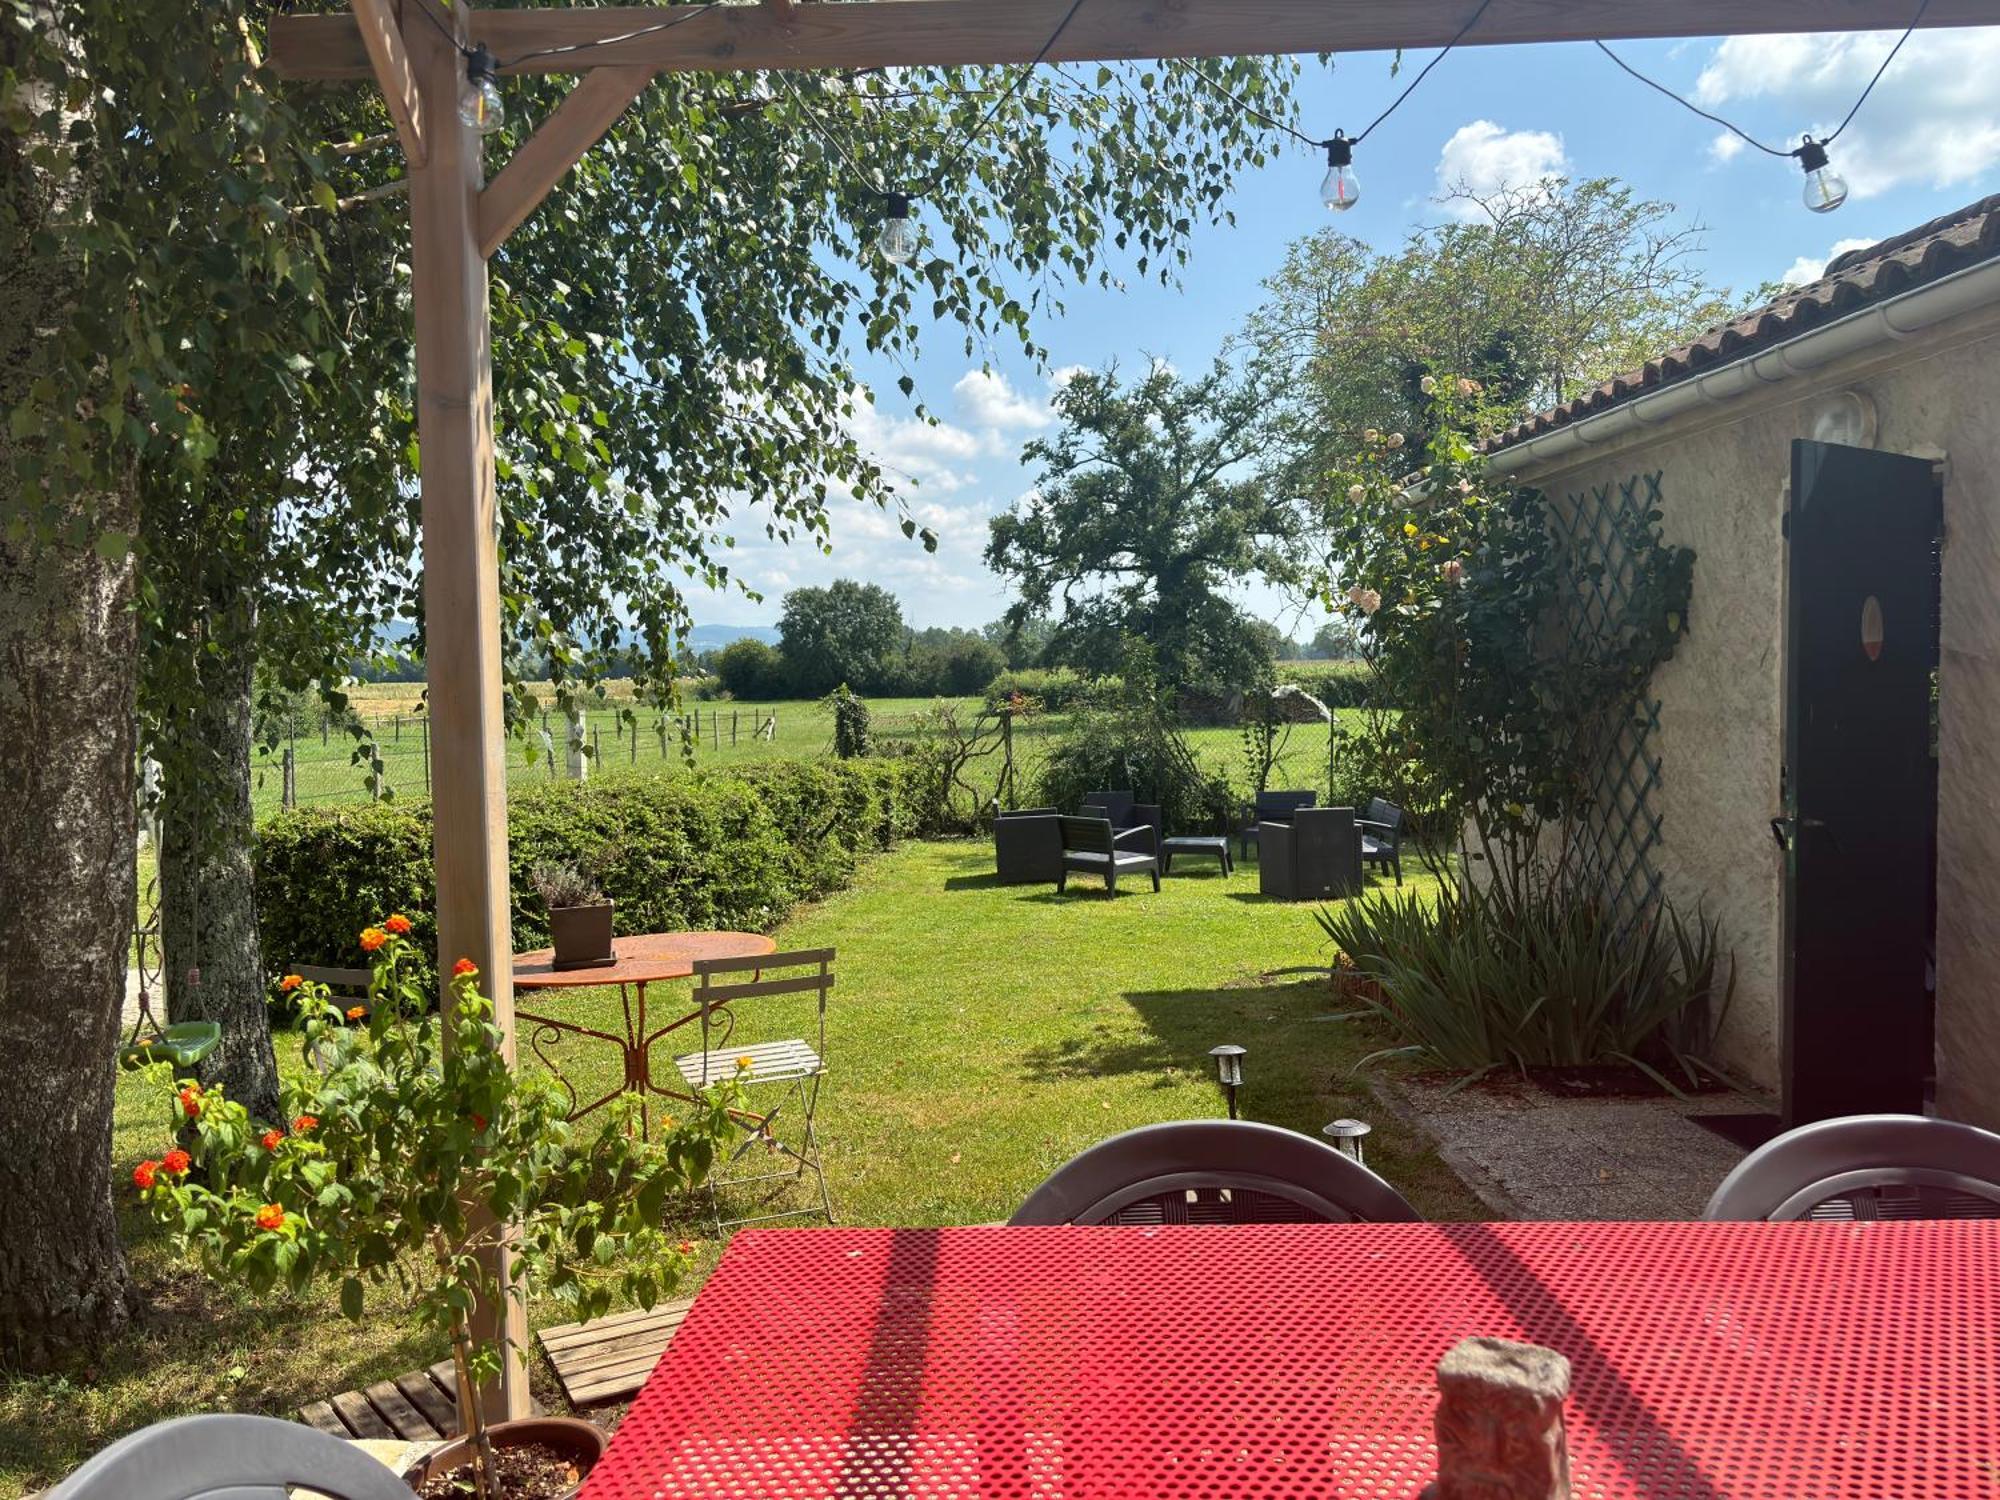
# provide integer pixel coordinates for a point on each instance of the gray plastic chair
(229, 1457)
(1867, 1167)
(1213, 1172)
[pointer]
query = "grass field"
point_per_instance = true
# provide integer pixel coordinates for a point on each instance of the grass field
(705, 734)
(979, 1036)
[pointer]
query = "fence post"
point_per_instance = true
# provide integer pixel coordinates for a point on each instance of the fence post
(635, 742)
(1007, 756)
(399, 729)
(732, 728)
(715, 727)
(290, 795)
(597, 745)
(549, 752)
(578, 761)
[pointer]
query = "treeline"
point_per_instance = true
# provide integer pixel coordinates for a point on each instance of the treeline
(854, 633)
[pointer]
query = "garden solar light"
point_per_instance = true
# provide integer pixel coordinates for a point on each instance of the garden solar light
(1825, 188)
(1341, 189)
(1346, 1137)
(1228, 1071)
(898, 243)
(479, 99)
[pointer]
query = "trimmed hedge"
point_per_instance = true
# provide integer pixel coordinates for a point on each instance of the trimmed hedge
(733, 849)
(1337, 684)
(1057, 689)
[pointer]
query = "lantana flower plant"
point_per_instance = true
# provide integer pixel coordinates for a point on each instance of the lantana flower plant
(412, 1148)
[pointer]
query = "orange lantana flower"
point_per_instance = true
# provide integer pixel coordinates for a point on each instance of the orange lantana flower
(146, 1174)
(463, 967)
(271, 1216)
(176, 1162)
(398, 924)
(289, 983)
(372, 938)
(191, 1100)
(356, 1012)
(272, 1139)
(304, 1123)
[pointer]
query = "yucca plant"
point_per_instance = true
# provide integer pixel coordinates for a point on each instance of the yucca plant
(1534, 975)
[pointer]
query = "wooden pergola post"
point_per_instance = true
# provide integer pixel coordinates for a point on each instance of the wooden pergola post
(455, 224)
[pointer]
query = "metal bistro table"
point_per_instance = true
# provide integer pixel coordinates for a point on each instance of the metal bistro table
(642, 960)
(1295, 1362)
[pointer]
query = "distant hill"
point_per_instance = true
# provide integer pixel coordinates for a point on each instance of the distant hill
(715, 637)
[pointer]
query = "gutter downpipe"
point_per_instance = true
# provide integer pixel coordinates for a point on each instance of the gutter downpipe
(1900, 317)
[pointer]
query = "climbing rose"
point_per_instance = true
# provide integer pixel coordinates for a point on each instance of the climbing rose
(1357, 493)
(191, 1100)
(1365, 600)
(271, 1140)
(175, 1161)
(463, 967)
(356, 1012)
(146, 1173)
(1428, 385)
(1454, 571)
(290, 982)
(1469, 387)
(1395, 440)
(304, 1123)
(271, 1216)
(372, 938)
(397, 923)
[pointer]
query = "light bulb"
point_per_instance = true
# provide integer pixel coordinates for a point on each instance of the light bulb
(898, 243)
(1825, 188)
(1341, 189)
(479, 105)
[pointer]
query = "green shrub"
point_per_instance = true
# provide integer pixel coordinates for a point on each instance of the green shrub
(1539, 974)
(1133, 748)
(1057, 689)
(734, 849)
(749, 669)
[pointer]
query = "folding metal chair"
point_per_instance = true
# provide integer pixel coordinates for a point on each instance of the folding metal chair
(794, 1066)
(224, 1456)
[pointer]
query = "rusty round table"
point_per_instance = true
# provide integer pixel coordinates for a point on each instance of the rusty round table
(646, 958)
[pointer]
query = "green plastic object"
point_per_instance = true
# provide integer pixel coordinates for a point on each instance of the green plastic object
(183, 1044)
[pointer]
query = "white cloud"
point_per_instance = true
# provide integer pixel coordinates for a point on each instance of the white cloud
(989, 401)
(1726, 147)
(1062, 375)
(930, 454)
(1933, 120)
(1482, 159)
(1806, 268)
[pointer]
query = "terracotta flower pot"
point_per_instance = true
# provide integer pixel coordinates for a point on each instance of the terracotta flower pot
(582, 935)
(578, 1441)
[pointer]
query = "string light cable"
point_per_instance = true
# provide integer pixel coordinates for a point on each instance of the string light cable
(1825, 189)
(1340, 190)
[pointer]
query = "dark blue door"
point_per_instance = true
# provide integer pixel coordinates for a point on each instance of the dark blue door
(1860, 785)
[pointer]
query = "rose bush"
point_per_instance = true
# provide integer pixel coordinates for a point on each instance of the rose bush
(415, 1149)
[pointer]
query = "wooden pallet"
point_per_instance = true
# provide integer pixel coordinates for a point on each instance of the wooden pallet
(608, 1359)
(421, 1406)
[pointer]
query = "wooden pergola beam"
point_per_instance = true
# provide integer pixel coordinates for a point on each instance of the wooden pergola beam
(939, 33)
(382, 43)
(592, 107)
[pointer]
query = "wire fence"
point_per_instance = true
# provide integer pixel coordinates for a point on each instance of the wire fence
(383, 757)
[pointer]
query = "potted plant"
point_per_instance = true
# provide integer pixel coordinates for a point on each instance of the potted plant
(415, 1150)
(579, 914)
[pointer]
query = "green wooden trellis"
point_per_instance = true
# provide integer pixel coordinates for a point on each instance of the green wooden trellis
(1621, 828)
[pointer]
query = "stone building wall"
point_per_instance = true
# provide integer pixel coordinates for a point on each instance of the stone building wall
(1723, 475)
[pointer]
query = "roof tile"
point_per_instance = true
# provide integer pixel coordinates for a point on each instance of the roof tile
(1852, 281)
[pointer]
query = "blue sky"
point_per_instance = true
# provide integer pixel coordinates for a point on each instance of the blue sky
(1927, 142)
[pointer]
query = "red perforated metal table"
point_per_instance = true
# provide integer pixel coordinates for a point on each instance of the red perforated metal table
(1294, 1362)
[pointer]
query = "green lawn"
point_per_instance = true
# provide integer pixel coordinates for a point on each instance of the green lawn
(979, 1035)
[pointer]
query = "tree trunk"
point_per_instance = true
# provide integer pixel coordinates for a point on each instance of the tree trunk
(68, 837)
(67, 826)
(214, 967)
